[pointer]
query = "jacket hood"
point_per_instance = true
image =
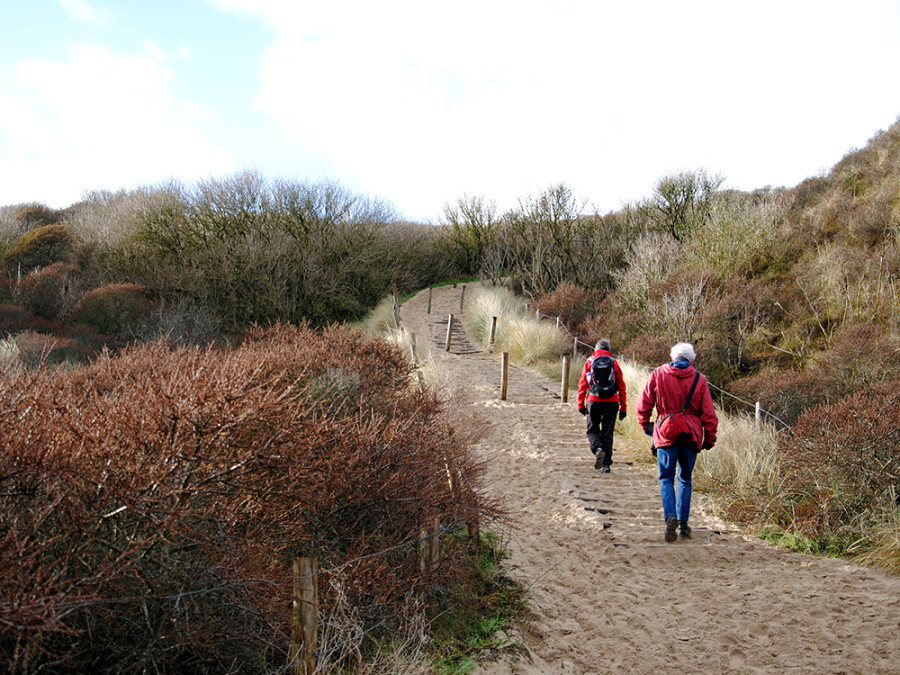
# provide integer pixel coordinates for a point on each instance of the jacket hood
(675, 371)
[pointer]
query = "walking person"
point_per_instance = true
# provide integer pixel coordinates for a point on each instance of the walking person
(686, 422)
(601, 397)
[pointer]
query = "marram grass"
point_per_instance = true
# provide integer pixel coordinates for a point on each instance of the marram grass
(521, 334)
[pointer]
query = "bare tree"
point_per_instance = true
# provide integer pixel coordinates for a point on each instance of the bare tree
(682, 201)
(472, 228)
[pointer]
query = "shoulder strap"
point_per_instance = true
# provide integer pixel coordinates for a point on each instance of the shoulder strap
(691, 392)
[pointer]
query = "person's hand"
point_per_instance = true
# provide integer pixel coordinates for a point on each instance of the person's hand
(583, 411)
(708, 445)
(648, 428)
(622, 415)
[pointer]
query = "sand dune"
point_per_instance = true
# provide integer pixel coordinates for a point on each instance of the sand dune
(608, 593)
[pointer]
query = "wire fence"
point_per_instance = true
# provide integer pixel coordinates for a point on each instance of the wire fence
(758, 410)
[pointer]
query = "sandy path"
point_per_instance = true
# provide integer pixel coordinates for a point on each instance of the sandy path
(609, 594)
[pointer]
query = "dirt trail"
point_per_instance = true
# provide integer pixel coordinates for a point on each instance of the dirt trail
(610, 595)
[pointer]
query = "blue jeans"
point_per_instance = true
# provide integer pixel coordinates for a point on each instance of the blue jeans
(684, 457)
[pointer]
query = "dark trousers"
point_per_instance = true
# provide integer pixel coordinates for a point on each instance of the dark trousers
(601, 421)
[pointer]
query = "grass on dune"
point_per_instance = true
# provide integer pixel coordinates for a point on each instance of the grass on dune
(743, 473)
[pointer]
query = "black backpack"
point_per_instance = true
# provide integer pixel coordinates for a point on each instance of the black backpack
(601, 377)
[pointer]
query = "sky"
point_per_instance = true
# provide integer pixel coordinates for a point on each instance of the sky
(420, 103)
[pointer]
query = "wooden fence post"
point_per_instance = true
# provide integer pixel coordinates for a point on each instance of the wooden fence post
(412, 349)
(473, 530)
(434, 543)
(462, 294)
(302, 654)
(415, 357)
(430, 546)
(504, 372)
(493, 331)
(396, 305)
(758, 417)
(428, 307)
(449, 329)
(565, 380)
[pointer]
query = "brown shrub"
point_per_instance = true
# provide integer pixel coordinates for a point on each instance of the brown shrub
(845, 456)
(34, 215)
(15, 319)
(650, 350)
(862, 355)
(571, 303)
(39, 247)
(49, 292)
(151, 513)
(114, 309)
(730, 321)
(785, 394)
(40, 349)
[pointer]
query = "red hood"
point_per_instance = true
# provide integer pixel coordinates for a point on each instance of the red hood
(682, 373)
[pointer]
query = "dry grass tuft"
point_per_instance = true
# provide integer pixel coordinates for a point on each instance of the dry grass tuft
(527, 339)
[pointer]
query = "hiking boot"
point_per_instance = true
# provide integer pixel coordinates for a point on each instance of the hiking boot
(684, 529)
(671, 527)
(605, 469)
(599, 458)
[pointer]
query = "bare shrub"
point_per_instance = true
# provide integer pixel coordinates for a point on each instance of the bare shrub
(739, 238)
(785, 394)
(9, 358)
(36, 214)
(681, 299)
(39, 247)
(151, 512)
(843, 458)
(734, 321)
(682, 202)
(651, 350)
(38, 350)
(847, 284)
(861, 356)
(115, 309)
(471, 227)
(50, 292)
(15, 319)
(571, 303)
(180, 321)
(647, 264)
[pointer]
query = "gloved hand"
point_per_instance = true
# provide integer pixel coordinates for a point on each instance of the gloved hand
(622, 415)
(708, 445)
(648, 428)
(583, 411)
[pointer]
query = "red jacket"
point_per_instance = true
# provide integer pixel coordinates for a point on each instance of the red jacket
(583, 384)
(667, 390)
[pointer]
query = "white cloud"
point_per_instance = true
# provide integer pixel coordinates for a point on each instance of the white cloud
(81, 10)
(422, 102)
(98, 121)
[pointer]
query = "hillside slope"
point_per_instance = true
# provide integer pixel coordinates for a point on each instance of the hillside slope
(609, 595)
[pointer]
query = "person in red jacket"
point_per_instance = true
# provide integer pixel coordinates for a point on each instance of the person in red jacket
(668, 389)
(601, 396)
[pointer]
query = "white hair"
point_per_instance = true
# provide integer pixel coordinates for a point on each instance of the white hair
(683, 350)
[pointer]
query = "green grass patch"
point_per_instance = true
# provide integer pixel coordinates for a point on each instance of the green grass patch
(801, 543)
(471, 623)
